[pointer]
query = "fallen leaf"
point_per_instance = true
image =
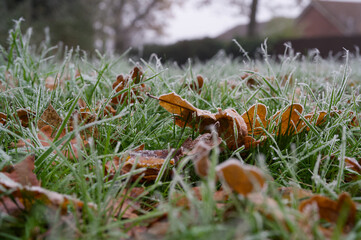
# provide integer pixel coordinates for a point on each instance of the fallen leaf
(206, 138)
(255, 119)
(25, 196)
(268, 207)
(197, 86)
(152, 160)
(24, 116)
(50, 117)
(229, 124)
(354, 165)
(296, 193)
(186, 112)
(22, 172)
(311, 118)
(3, 118)
(331, 210)
(289, 119)
(199, 155)
(52, 83)
(123, 82)
(244, 179)
(231, 128)
(124, 205)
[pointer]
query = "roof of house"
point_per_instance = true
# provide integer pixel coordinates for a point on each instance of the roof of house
(346, 16)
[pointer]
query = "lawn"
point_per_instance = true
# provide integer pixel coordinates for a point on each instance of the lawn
(105, 147)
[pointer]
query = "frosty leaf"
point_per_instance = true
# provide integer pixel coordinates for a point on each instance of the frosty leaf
(289, 119)
(255, 119)
(231, 128)
(26, 196)
(3, 118)
(22, 172)
(331, 210)
(50, 117)
(244, 179)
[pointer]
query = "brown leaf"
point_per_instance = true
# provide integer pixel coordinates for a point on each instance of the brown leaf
(46, 135)
(50, 117)
(24, 115)
(52, 83)
(289, 119)
(231, 128)
(267, 206)
(331, 210)
(244, 179)
(200, 158)
(206, 138)
(296, 193)
(22, 172)
(124, 204)
(255, 119)
(123, 82)
(229, 124)
(25, 196)
(354, 165)
(311, 118)
(197, 86)
(152, 160)
(186, 112)
(3, 118)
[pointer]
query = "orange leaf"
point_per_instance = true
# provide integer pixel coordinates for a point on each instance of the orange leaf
(253, 115)
(244, 179)
(231, 128)
(197, 86)
(185, 111)
(331, 210)
(289, 119)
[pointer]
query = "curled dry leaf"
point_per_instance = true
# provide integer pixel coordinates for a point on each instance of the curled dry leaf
(296, 193)
(124, 205)
(50, 117)
(200, 158)
(311, 118)
(83, 118)
(244, 179)
(122, 83)
(197, 86)
(289, 119)
(354, 165)
(331, 210)
(25, 196)
(182, 200)
(22, 172)
(207, 138)
(228, 123)
(255, 119)
(186, 112)
(3, 118)
(24, 115)
(268, 207)
(231, 128)
(152, 160)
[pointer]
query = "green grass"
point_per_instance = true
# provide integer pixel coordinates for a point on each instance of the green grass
(301, 160)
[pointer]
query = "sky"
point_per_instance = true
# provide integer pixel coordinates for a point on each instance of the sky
(191, 21)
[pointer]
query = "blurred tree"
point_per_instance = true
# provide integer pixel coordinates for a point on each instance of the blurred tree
(127, 22)
(250, 8)
(70, 21)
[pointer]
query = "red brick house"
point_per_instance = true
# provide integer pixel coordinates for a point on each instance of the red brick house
(330, 18)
